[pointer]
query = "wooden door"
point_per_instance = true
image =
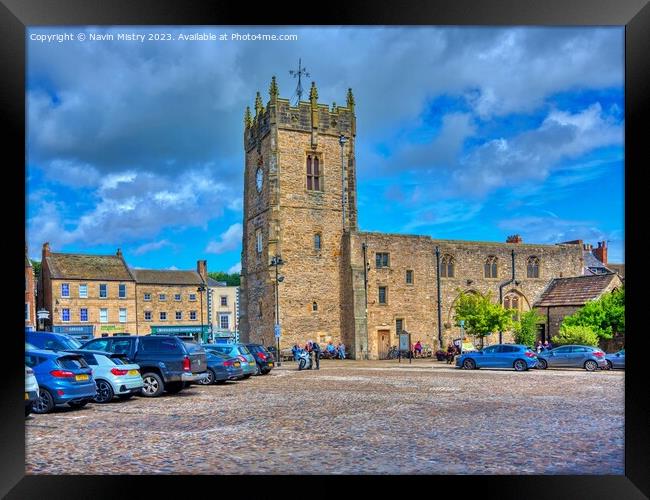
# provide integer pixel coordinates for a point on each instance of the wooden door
(383, 343)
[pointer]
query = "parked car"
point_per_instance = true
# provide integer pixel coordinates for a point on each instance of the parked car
(263, 358)
(166, 362)
(573, 356)
(517, 356)
(52, 341)
(31, 389)
(221, 368)
(239, 351)
(114, 375)
(616, 359)
(63, 378)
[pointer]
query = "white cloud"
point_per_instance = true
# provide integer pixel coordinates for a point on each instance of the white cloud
(150, 247)
(236, 268)
(229, 240)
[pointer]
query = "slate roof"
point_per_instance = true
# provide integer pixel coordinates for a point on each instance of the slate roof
(212, 282)
(87, 267)
(166, 277)
(576, 291)
(592, 262)
(619, 268)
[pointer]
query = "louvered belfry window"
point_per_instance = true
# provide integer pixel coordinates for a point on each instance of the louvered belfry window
(313, 173)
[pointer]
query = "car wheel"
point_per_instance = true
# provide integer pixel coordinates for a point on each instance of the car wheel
(258, 370)
(44, 403)
(590, 365)
(520, 365)
(469, 364)
(77, 403)
(610, 366)
(153, 385)
(209, 379)
(104, 392)
(124, 397)
(174, 387)
(302, 364)
(542, 364)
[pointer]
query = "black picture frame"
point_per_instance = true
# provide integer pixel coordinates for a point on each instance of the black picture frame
(16, 15)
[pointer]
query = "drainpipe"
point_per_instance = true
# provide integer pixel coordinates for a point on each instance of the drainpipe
(504, 284)
(439, 298)
(365, 284)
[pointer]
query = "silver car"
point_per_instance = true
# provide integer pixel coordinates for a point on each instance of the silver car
(572, 356)
(616, 360)
(31, 389)
(113, 374)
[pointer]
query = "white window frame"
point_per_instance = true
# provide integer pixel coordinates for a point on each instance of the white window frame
(259, 243)
(221, 300)
(150, 318)
(68, 286)
(105, 316)
(81, 320)
(179, 313)
(192, 297)
(118, 291)
(85, 287)
(62, 317)
(100, 290)
(178, 297)
(145, 295)
(192, 313)
(162, 297)
(160, 315)
(227, 318)
(123, 319)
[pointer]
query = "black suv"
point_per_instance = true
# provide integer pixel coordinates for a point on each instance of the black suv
(166, 362)
(263, 358)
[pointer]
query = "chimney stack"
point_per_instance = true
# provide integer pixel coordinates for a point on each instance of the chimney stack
(46, 250)
(601, 252)
(119, 252)
(202, 269)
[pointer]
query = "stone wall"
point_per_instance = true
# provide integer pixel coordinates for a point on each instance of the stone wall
(170, 306)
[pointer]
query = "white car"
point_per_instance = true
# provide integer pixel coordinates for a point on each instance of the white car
(113, 374)
(31, 389)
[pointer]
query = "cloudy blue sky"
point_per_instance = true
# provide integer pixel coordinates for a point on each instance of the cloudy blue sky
(462, 133)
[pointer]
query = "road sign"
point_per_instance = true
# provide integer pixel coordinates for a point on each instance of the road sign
(277, 331)
(462, 322)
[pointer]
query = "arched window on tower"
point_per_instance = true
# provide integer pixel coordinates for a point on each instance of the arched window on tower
(317, 241)
(313, 173)
(513, 301)
(447, 265)
(490, 267)
(532, 267)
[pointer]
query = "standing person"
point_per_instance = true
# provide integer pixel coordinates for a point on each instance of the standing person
(295, 350)
(547, 345)
(341, 350)
(540, 347)
(316, 349)
(451, 352)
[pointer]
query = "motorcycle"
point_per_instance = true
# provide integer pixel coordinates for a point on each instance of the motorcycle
(304, 360)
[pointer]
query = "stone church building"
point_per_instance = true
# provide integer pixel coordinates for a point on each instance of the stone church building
(339, 283)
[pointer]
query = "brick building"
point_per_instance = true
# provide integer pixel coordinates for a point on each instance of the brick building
(173, 302)
(87, 295)
(340, 283)
(30, 295)
(223, 314)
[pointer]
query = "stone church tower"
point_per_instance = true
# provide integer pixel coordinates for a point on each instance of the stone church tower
(299, 205)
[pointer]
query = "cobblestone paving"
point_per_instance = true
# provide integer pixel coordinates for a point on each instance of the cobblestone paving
(373, 417)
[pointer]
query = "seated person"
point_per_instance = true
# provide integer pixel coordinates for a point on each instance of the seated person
(418, 349)
(341, 350)
(331, 350)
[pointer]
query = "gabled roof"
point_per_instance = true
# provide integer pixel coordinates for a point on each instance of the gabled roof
(619, 268)
(213, 282)
(166, 277)
(87, 267)
(576, 291)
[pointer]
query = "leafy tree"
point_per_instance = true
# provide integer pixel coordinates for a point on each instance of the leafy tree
(526, 328)
(605, 316)
(36, 265)
(230, 279)
(576, 334)
(482, 316)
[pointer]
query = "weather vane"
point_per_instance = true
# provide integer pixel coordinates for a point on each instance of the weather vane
(300, 73)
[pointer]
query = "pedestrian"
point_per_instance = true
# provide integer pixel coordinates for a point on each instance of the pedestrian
(547, 345)
(295, 350)
(341, 350)
(539, 347)
(316, 350)
(451, 352)
(418, 349)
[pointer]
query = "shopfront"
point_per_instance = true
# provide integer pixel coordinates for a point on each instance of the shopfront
(83, 333)
(199, 333)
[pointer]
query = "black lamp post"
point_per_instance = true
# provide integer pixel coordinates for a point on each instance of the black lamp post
(276, 261)
(201, 289)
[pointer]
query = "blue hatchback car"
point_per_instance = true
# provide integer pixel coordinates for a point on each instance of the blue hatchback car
(517, 356)
(50, 340)
(62, 377)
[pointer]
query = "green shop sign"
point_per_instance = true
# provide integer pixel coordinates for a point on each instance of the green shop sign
(105, 328)
(179, 329)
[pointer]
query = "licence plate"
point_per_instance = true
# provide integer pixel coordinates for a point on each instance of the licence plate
(81, 377)
(271, 364)
(133, 372)
(26, 396)
(237, 365)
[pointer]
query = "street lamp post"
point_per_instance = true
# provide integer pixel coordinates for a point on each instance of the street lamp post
(201, 289)
(277, 261)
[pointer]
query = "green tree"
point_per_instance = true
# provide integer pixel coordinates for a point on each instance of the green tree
(36, 265)
(232, 279)
(526, 328)
(482, 316)
(605, 316)
(576, 334)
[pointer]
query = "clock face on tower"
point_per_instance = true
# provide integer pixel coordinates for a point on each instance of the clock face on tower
(259, 179)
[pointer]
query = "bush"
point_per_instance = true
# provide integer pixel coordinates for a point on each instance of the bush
(526, 329)
(576, 334)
